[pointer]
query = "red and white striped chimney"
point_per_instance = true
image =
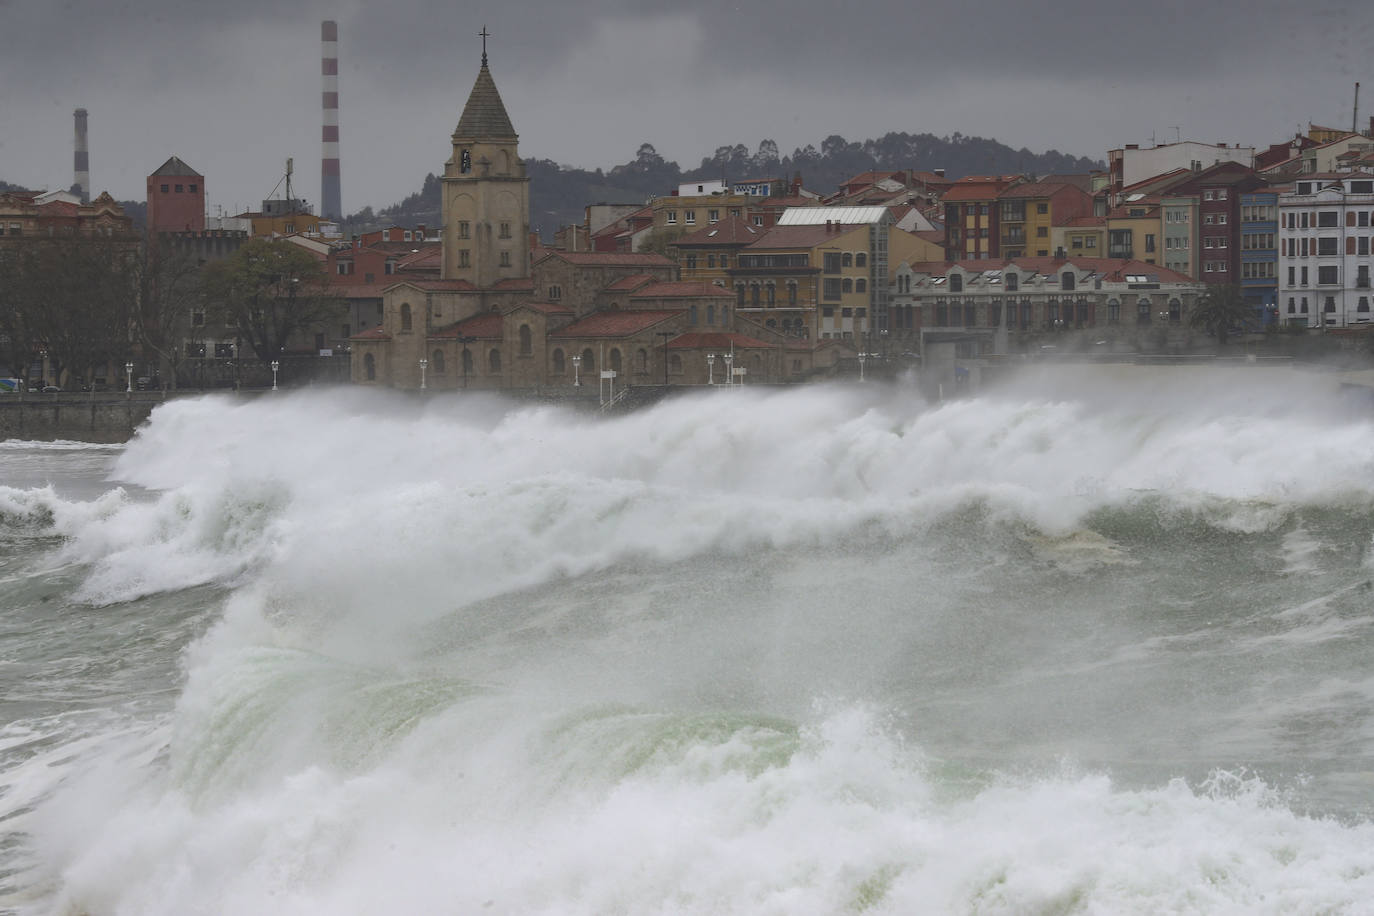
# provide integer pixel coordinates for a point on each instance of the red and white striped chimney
(81, 162)
(331, 206)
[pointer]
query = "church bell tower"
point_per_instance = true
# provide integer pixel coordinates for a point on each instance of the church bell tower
(486, 194)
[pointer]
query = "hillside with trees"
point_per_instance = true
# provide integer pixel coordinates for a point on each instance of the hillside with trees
(559, 193)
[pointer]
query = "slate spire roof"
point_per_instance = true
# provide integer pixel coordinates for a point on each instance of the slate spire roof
(484, 116)
(175, 167)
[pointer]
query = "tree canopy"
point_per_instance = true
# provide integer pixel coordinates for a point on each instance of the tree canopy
(1220, 309)
(267, 292)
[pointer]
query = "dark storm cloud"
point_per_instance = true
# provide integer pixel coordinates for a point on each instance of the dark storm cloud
(233, 88)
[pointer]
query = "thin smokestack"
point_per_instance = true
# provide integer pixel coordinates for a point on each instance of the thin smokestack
(331, 206)
(81, 165)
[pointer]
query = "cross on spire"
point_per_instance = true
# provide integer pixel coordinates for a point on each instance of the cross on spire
(485, 35)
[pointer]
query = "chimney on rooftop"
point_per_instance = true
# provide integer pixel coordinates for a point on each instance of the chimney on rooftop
(82, 160)
(941, 172)
(331, 205)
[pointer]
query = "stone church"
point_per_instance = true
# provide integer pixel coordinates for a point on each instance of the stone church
(500, 311)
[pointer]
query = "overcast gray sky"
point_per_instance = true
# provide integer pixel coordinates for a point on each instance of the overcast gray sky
(233, 88)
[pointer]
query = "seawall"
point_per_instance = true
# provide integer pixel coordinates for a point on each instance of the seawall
(80, 417)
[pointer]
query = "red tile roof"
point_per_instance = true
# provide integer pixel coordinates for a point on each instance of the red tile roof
(612, 323)
(611, 259)
(1033, 189)
(452, 286)
(630, 283)
(487, 326)
(717, 340)
(976, 187)
(377, 333)
(732, 231)
(515, 283)
(547, 308)
(683, 289)
(801, 236)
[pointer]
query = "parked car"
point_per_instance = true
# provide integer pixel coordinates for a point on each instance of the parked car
(51, 389)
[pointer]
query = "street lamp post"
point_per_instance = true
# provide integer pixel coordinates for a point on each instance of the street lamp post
(729, 368)
(710, 368)
(424, 364)
(129, 378)
(275, 366)
(465, 340)
(665, 335)
(577, 365)
(862, 358)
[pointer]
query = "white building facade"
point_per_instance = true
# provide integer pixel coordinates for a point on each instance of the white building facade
(1325, 228)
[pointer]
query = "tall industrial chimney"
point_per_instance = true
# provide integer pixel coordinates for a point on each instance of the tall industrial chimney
(82, 161)
(330, 205)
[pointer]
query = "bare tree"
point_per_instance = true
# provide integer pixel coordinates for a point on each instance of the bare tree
(269, 291)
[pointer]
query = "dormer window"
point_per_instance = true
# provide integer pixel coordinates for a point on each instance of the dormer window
(956, 283)
(1013, 281)
(465, 162)
(1066, 280)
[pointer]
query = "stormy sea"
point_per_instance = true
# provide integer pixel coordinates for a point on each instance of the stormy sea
(1089, 642)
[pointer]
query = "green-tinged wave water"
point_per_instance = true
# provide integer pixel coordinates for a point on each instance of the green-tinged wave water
(822, 651)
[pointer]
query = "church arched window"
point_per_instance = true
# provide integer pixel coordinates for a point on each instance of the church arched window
(405, 316)
(370, 367)
(436, 362)
(559, 364)
(494, 360)
(588, 361)
(526, 340)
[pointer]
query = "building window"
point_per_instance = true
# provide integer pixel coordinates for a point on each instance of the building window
(848, 259)
(1328, 276)
(1328, 247)
(464, 229)
(464, 258)
(559, 362)
(505, 259)
(689, 217)
(1042, 232)
(724, 260)
(861, 285)
(672, 218)
(505, 231)
(405, 316)
(436, 362)
(555, 293)
(712, 216)
(956, 283)
(831, 262)
(166, 188)
(369, 367)
(494, 360)
(831, 288)
(1327, 219)
(526, 340)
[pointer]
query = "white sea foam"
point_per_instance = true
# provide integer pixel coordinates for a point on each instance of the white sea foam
(483, 658)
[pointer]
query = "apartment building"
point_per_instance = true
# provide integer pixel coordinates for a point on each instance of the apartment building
(1325, 223)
